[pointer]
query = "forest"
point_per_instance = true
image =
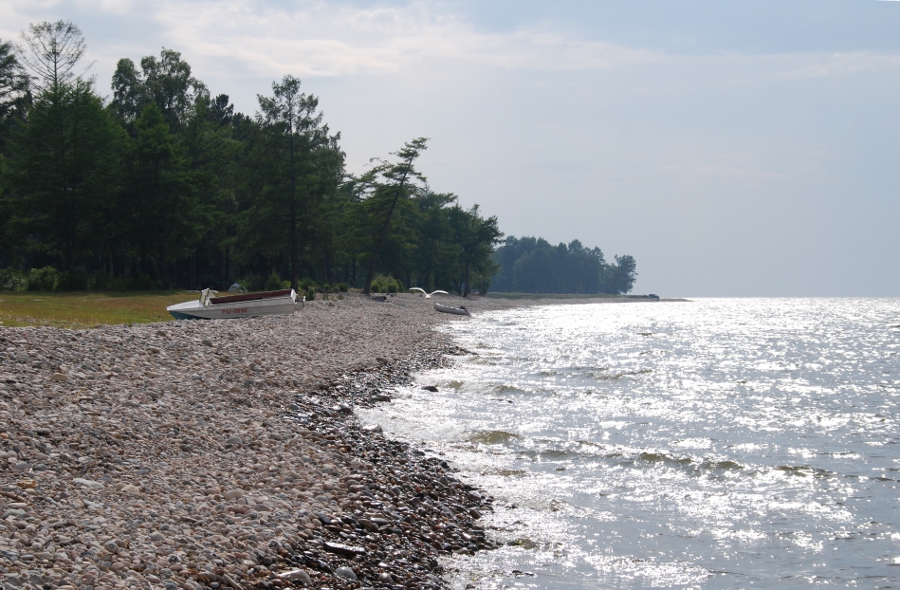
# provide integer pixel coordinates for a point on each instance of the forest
(164, 185)
(533, 265)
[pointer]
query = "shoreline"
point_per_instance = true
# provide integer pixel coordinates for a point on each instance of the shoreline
(226, 454)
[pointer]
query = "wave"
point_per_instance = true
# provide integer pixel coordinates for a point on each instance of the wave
(491, 437)
(614, 376)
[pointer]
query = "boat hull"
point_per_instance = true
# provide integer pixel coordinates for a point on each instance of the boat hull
(194, 310)
(453, 310)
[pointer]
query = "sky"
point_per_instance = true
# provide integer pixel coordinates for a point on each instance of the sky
(733, 148)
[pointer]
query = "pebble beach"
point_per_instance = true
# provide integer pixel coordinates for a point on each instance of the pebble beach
(226, 454)
(223, 454)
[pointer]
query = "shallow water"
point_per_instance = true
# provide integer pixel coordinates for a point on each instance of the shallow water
(721, 443)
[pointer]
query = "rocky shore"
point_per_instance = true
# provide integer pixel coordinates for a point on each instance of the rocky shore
(225, 454)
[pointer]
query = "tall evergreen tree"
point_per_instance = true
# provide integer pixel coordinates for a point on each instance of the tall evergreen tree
(14, 90)
(162, 196)
(391, 182)
(475, 236)
(66, 169)
(303, 166)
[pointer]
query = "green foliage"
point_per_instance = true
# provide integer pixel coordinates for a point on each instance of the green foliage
(99, 280)
(273, 283)
(386, 284)
(42, 279)
(533, 265)
(310, 295)
(76, 280)
(165, 81)
(14, 90)
(66, 170)
(12, 280)
(389, 184)
(342, 287)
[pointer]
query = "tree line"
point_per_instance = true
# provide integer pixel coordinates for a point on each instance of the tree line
(163, 184)
(533, 265)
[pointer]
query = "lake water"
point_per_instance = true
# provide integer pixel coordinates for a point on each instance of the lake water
(718, 443)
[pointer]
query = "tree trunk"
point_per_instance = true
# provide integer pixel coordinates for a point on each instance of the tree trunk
(227, 266)
(295, 262)
(371, 274)
(192, 271)
(467, 289)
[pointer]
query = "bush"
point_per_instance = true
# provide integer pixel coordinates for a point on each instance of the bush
(143, 283)
(310, 295)
(273, 283)
(326, 288)
(342, 287)
(386, 284)
(306, 284)
(77, 280)
(253, 283)
(42, 279)
(12, 280)
(119, 284)
(100, 280)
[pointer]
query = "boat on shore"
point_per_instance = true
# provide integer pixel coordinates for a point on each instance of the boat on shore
(454, 310)
(243, 305)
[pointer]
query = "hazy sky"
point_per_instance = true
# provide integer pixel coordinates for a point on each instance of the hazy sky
(733, 148)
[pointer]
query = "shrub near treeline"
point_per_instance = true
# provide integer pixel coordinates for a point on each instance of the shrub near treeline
(169, 186)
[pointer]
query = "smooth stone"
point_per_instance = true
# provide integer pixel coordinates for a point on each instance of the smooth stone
(233, 495)
(88, 483)
(341, 549)
(431, 388)
(297, 576)
(346, 573)
(235, 441)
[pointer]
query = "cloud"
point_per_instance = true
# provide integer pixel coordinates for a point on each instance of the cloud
(319, 39)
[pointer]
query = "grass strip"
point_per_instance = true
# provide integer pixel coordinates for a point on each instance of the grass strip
(87, 310)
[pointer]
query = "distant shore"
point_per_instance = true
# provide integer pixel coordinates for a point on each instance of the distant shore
(226, 454)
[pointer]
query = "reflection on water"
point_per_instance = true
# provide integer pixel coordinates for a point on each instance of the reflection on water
(716, 444)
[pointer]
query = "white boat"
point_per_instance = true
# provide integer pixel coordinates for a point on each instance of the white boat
(454, 310)
(244, 305)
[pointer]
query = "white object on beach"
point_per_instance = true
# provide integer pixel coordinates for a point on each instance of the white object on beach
(428, 295)
(246, 305)
(454, 310)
